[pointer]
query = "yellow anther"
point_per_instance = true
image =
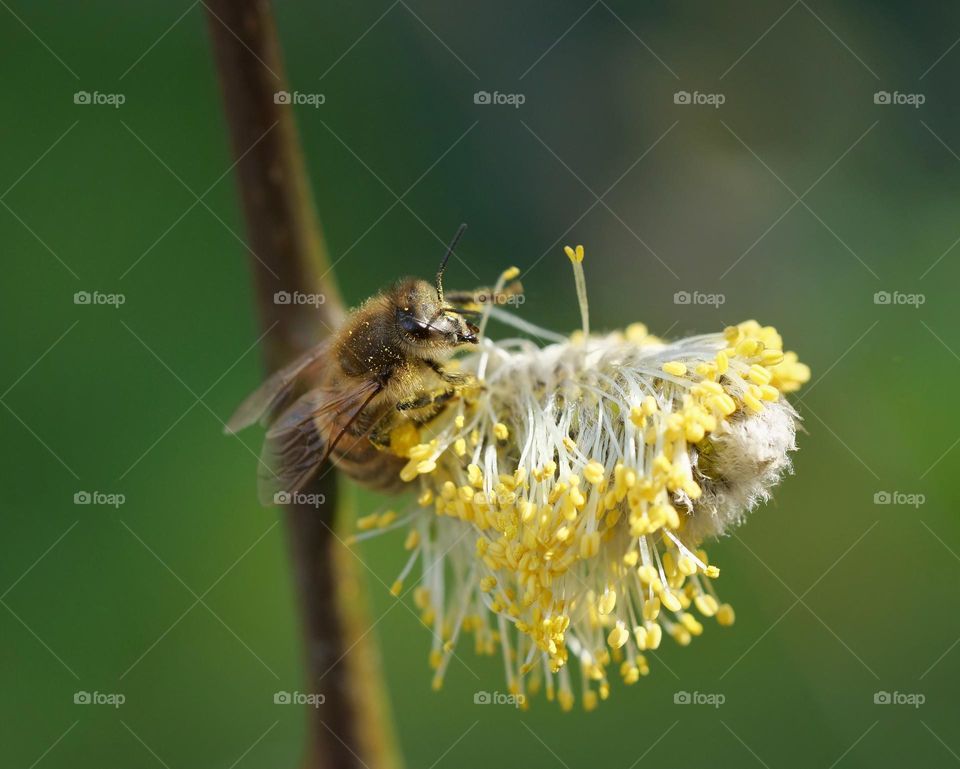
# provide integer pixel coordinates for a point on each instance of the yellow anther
(706, 604)
(651, 609)
(475, 476)
(769, 393)
(640, 637)
(420, 451)
(427, 466)
(670, 601)
(409, 471)
(367, 522)
(691, 624)
(500, 431)
(725, 615)
(575, 255)
(647, 573)
(723, 362)
(459, 421)
(510, 273)
(590, 545)
(771, 357)
(650, 405)
(752, 402)
(397, 587)
(759, 375)
(675, 368)
(607, 602)
(412, 540)
(618, 636)
(460, 447)
(723, 404)
(386, 519)
(488, 583)
(694, 432)
(654, 634)
(594, 472)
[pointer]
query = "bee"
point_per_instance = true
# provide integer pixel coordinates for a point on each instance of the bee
(340, 400)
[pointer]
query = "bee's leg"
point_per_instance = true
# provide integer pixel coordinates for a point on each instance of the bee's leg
(450, 377)
(427, 399)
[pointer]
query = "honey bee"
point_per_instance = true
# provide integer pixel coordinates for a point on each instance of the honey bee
(340, 400)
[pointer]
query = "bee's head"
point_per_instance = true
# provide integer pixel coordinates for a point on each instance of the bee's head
(425, 322)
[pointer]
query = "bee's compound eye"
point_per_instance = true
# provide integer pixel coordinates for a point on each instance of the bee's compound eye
(412, 325)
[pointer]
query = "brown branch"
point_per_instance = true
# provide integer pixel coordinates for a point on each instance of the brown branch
(287, 254)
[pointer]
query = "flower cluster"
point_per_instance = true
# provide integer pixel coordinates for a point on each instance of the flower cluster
(563, 501)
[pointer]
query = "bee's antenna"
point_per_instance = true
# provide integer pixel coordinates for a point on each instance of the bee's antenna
(446, 258)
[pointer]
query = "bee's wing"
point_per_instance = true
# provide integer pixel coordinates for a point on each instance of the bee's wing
(299, 441)
(274, 394)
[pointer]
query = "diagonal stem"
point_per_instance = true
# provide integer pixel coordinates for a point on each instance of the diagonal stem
(350, 729)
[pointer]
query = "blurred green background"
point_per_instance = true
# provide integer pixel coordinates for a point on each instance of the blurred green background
(837, 597)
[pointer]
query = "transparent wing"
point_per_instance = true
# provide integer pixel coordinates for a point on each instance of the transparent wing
(301, 439)
(274, 394)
